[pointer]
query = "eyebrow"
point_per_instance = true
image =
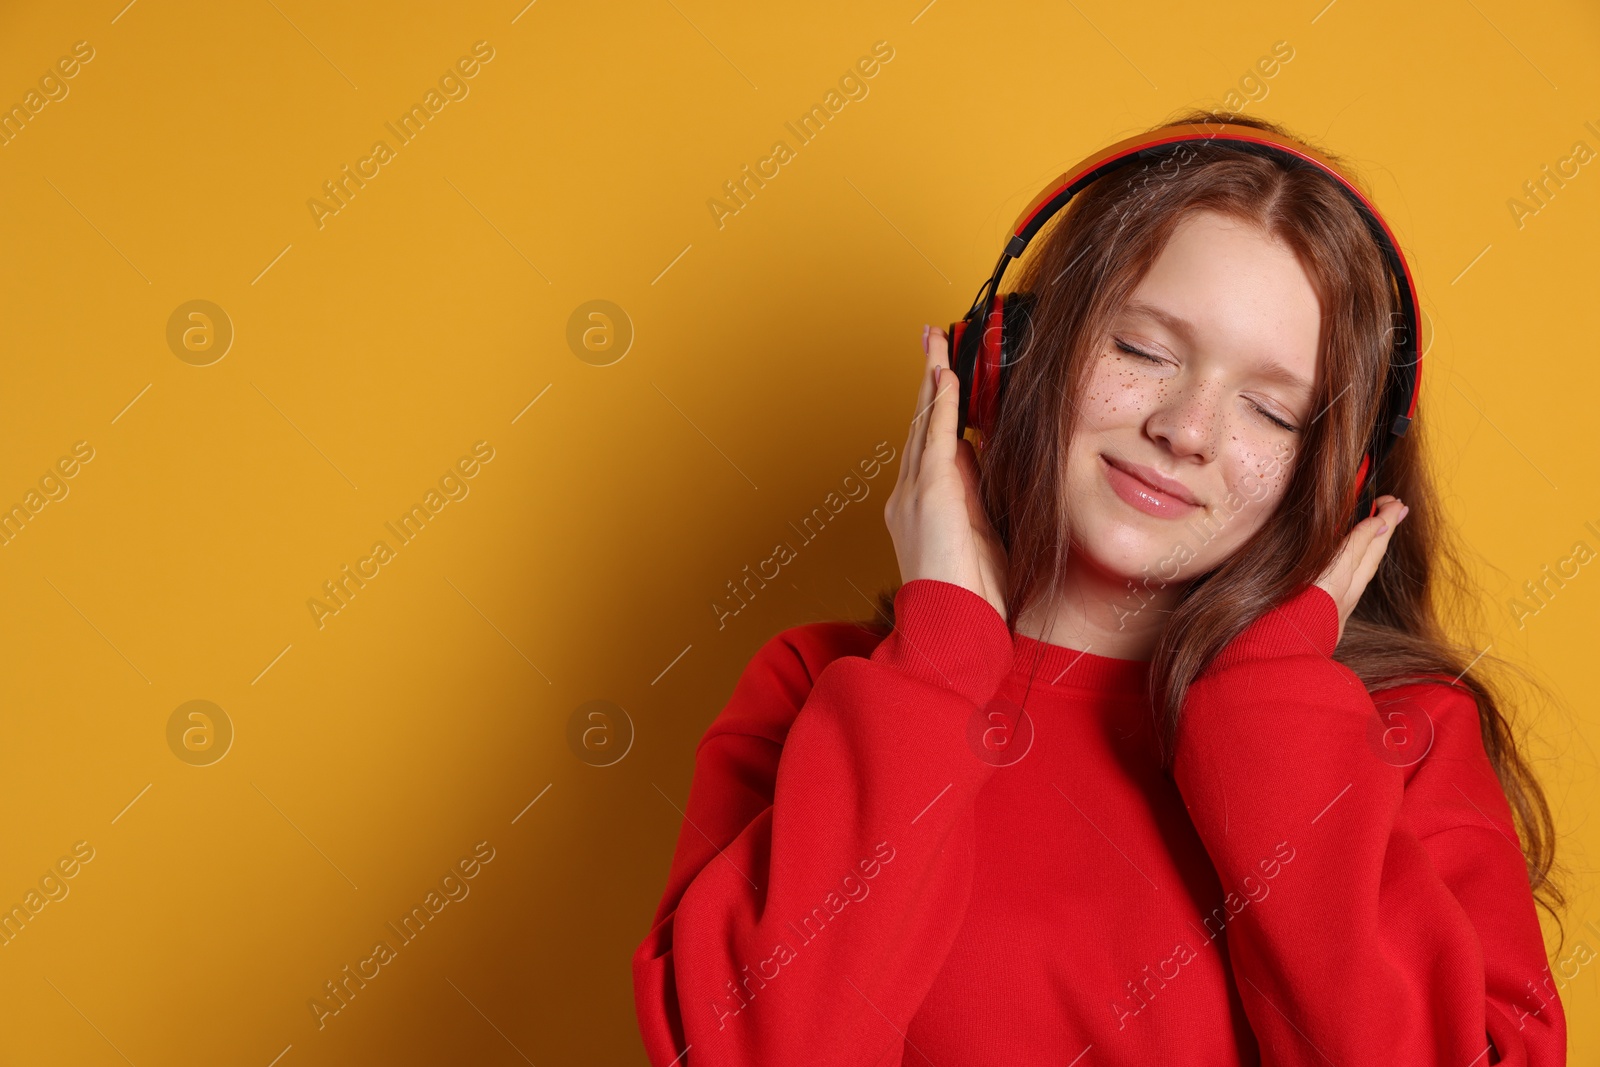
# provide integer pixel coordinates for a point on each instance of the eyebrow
(1269, 369)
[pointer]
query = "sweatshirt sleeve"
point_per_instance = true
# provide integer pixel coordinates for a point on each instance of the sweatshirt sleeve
(1376, 902)
(820, 877)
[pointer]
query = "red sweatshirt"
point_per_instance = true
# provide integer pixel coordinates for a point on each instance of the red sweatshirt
(885, 862)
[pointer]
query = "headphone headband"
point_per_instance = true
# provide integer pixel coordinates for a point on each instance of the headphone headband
(981, 350)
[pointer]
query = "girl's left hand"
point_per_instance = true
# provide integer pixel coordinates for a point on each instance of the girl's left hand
(1347, 577)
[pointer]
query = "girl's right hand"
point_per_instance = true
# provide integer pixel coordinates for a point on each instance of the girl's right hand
(934, 514)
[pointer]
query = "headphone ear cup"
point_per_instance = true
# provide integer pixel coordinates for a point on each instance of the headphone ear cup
(1015, 332)
(1363, 503)
(975, 358)
(983, 348)
(963, 356)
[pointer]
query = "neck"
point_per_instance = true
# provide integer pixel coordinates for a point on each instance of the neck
(1096, 611)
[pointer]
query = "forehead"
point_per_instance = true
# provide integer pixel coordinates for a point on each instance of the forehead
(1229, 290)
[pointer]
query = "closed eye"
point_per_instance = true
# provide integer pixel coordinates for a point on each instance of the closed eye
(1130, 350)
(1263, 412)
(1273, 418)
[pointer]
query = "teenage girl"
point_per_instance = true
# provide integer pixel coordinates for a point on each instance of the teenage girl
(1163, 761)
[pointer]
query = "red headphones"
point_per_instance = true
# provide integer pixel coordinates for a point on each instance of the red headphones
(989, 340)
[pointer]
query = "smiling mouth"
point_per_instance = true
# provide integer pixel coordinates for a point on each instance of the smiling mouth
(1164, 502)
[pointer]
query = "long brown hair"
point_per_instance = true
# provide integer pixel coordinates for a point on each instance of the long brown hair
(1082, 270)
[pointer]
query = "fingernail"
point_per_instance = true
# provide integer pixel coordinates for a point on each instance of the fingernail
(1404, 512)
(925, 328)
(1383, 527)
(936, 372)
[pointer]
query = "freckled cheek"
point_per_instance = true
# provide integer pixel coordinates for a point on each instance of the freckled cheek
(1118, 394)
(1257, 472)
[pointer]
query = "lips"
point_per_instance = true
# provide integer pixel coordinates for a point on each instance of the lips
(1148, 489)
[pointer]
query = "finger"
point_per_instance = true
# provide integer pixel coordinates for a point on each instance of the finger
(1360, 540)
(939, 345)
(939, 448)
(1374, 520)
(1337, 577)
(916, 431)
(1389, 517)
(938, 363)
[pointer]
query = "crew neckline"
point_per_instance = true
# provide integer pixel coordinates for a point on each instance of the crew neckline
(1061, 667)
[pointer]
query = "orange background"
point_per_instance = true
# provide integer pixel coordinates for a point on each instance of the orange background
(434, 711)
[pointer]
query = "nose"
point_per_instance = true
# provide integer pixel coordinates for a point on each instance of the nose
(1187, 419)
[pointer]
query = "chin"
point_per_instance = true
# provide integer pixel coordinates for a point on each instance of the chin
(1129, 533)
(1128, 550)
(1126, 545)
